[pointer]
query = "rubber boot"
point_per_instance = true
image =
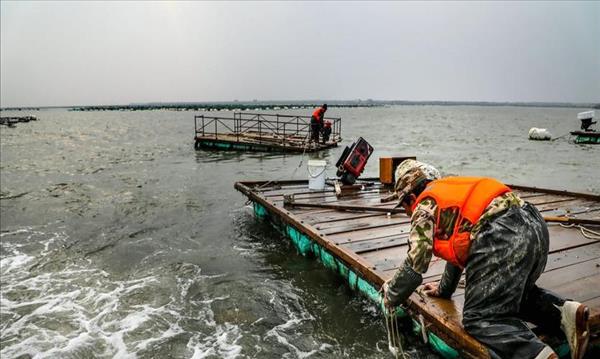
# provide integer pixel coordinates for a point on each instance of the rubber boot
(574, 323)
(546, 353)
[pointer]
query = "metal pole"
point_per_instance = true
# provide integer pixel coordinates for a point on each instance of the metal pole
(345, 208)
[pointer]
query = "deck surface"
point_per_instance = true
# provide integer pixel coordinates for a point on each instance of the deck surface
(375, 245)
(252, 141)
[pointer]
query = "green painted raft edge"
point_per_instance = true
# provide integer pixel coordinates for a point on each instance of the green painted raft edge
(580, 139)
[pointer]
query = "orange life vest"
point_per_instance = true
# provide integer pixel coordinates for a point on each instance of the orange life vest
(469, 196)
(318, 114)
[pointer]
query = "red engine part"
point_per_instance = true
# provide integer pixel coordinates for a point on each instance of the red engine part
(354, 159)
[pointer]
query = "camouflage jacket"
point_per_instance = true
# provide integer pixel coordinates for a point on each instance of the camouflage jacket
(420, 241)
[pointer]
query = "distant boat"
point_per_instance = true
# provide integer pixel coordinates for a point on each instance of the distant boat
(586, 134)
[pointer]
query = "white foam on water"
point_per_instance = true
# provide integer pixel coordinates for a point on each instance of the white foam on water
(91, 317)
(77, 309)
(15, 262)
(223, 343)
(287, 332)
(173, 330)
(74, 309)
(211, 300)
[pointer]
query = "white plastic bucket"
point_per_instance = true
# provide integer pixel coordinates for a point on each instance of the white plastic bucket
(316, 174)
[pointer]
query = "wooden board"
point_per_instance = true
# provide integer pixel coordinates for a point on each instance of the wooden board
(253, 142)
(375, 245)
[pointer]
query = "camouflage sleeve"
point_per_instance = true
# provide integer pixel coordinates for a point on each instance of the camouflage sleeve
(409, 277)
(420, 240)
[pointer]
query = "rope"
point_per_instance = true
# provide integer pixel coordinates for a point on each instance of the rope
(594, 235)
(393, 332)
(306, 145)
(586, 232)
(559, 137)
(279, 178)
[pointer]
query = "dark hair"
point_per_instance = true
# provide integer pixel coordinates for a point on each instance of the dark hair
(324, 106)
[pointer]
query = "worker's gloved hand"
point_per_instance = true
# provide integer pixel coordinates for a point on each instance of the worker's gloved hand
(432, 289)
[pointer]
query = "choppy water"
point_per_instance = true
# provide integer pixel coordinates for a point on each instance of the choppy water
(118, 239)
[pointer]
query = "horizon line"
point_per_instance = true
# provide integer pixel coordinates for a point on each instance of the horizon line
(339, 103)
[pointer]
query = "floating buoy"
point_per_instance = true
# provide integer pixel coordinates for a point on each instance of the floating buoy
(539, 134)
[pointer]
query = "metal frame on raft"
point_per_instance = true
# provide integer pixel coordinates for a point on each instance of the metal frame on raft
(361, 276)
(261, 132)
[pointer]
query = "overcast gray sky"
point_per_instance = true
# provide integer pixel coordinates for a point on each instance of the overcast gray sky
(70, 53)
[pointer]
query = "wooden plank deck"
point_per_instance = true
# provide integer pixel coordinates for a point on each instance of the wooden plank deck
(250, 141)
(375, 245)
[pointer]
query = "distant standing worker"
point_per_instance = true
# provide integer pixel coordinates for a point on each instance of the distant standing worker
(316, 122)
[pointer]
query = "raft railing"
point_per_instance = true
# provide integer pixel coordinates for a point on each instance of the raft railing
(264, 127)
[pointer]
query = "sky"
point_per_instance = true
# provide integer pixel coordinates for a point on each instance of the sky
(91, 53)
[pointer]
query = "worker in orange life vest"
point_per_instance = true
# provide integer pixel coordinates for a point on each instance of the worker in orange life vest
(316, 122)
(479, 225)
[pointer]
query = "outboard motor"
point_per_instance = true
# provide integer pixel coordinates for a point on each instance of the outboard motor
(353, 161)
(587, 119)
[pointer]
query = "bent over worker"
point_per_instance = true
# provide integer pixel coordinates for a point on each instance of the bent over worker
(316, 122)
(479, 225)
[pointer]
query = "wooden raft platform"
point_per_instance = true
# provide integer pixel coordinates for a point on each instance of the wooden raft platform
(262, 132)
(251, 141)
(374, 245)
(11, 121)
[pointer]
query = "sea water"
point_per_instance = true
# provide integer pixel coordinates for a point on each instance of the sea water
(118, 239)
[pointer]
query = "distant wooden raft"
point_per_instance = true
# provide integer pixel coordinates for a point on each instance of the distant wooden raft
(369, 246)
(262, 132)
(13, 120)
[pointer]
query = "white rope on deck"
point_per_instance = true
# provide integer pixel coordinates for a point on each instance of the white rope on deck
(586, 232)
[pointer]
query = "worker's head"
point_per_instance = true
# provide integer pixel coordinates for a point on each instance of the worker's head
(411, 179)
(327, 124)
(324, 106)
